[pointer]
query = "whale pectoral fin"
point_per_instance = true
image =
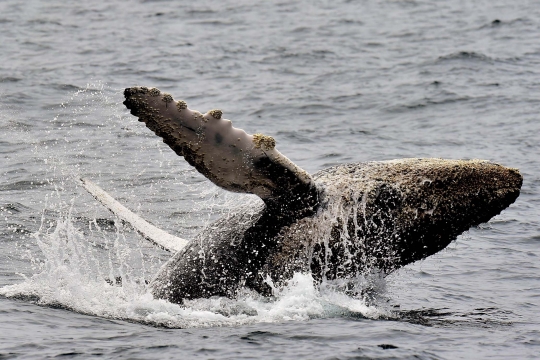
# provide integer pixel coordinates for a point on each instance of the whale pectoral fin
(227, 156)
(157, 236)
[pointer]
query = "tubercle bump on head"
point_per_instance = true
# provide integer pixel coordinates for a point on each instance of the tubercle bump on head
(181, 105)
(167, 98)
(154, 92)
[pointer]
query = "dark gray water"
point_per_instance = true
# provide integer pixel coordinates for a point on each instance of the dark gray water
(333, 82)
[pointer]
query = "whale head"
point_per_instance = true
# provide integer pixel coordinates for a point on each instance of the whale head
(384, 215)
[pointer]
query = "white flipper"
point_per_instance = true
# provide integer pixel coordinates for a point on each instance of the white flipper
(227, 156)
(148, 231)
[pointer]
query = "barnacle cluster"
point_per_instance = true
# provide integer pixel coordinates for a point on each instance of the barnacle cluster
(181, 105)
(154, 92)
(216, 113)
(264, 142)
(167, 98)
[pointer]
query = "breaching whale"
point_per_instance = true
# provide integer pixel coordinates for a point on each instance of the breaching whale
(339, 223)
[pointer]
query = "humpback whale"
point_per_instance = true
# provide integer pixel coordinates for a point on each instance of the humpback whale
(338, 223)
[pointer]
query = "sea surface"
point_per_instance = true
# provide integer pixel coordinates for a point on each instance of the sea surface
(333, 82)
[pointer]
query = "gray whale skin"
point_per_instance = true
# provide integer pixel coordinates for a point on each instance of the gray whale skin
(342, 222)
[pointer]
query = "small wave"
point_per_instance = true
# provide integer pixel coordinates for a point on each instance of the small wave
(349, 21)
(345, 98)
(465, 56)
(69, 87)
(9, 78)
(427, 102)
(298, 137)
(22, 185)
(474, 57)
(202, 12)
(16, 126)
(13, 207)
(215, 22)
(482, 317)
(496, 23)
(280, 54)
(44, 22)
(17, 97)
(7, 230)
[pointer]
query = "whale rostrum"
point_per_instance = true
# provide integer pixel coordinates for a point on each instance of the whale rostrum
(342, 222)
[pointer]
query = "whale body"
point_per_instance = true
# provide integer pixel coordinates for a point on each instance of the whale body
(342, 222)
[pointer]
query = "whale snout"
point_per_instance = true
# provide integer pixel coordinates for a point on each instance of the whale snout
(461, 194)
(133, 99)
(503, 189)
(475, 188)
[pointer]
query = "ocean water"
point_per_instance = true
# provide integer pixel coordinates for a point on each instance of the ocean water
(333, 82)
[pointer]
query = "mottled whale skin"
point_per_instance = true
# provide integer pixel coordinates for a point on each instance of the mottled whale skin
(342, 222)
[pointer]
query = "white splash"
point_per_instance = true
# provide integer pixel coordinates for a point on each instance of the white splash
(76, 274)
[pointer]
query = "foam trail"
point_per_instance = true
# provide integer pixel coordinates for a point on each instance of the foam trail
(148, 231)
